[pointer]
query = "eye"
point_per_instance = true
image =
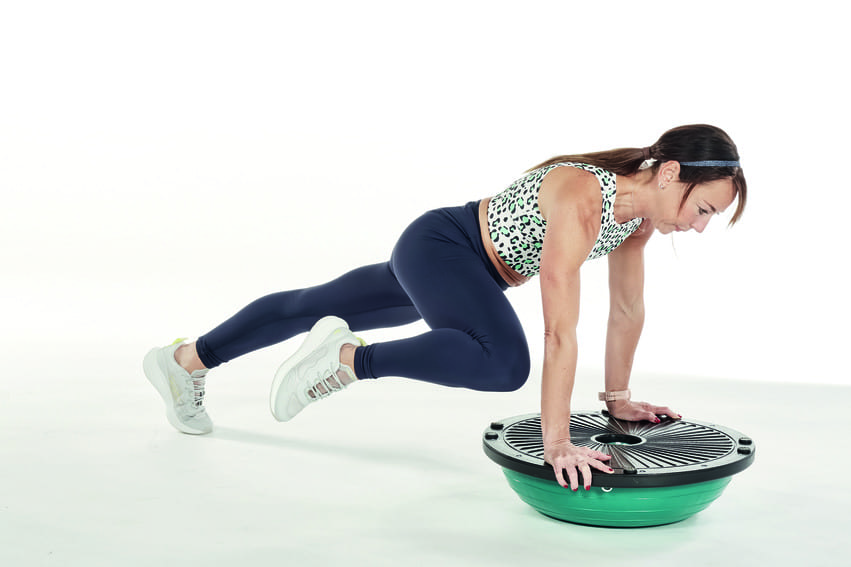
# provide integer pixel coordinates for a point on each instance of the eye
(702, 211)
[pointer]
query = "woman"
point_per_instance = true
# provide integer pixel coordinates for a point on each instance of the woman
(451, 267)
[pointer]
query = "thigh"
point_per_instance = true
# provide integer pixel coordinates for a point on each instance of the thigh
(451, 286)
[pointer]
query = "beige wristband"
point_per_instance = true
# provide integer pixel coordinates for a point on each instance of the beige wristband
(614, 396)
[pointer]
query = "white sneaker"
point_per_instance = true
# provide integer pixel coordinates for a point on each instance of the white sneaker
(311, 373)
(183, 393)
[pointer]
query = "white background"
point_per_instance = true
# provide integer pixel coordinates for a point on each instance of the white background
(164, 163)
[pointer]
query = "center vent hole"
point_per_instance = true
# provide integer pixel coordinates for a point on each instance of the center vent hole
(617, 439)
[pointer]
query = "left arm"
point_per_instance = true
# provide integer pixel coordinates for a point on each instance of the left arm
(626, 319)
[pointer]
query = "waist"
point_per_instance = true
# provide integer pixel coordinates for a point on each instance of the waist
(509, 275)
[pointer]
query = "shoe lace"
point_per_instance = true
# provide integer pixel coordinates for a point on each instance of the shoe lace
(325, 385)
(198, 385)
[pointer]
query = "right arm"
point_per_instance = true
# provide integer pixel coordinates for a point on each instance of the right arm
(570, 202)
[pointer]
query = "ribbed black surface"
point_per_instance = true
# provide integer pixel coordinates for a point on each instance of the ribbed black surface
(668, 444)
(643, 454)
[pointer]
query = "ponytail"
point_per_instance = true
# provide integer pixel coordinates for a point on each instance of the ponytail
(705, 153)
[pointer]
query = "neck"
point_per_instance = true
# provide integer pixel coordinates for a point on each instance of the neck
(632, 199)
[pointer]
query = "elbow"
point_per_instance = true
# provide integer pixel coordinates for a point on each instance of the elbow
(551, 339)
(556, 340)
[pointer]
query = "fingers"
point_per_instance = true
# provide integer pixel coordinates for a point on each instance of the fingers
(560, 476)
(651, 413)
(654, 412)
(569, 471)
(598, 455)
(663, 410)
(573, 477)
(566, 476)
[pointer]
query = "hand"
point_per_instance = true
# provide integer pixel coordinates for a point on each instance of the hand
(638, 411)
(565, 457)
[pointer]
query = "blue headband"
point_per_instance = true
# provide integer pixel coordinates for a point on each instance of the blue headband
(711, 163)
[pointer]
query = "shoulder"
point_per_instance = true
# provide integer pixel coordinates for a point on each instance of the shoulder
(570, 187)
(571, 203)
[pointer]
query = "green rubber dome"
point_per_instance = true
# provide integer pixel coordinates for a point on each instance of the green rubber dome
(664, 472)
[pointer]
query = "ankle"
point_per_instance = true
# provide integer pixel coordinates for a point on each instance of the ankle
(347, 359)
(187, 358)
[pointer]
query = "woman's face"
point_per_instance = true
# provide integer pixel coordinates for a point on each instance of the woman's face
(705, 200)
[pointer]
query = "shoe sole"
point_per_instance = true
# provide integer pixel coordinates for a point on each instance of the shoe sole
(315, 337)
(160, 381)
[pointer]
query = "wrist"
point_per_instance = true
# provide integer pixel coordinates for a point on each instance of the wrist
(556, 437)
(552, 444)
(614, 395)
(615, 399)
(617, 405)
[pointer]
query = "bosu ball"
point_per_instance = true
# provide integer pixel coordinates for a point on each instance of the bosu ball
(664, 472)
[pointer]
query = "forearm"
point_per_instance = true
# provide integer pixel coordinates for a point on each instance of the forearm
(624, 331)
(560, 354)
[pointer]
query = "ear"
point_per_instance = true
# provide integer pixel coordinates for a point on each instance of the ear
(668, 173)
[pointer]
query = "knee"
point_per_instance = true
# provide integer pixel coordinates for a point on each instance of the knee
(509, 369)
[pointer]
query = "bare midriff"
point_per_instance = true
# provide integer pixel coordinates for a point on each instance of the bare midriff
(511, 276)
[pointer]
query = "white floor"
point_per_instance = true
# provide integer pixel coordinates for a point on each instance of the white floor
(385, 474)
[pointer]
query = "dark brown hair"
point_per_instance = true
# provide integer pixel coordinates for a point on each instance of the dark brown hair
(695, 142)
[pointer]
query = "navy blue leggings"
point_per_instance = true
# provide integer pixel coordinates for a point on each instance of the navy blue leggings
(439, 272)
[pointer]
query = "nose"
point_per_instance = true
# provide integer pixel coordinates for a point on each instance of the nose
(700, 223)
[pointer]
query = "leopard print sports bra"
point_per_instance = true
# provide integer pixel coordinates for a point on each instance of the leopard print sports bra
(517, 228)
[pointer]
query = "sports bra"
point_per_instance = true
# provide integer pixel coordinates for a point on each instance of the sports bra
(517, 228)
